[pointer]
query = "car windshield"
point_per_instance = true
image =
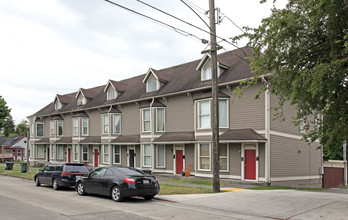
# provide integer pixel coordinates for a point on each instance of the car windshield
(125, 171)
(75, 169)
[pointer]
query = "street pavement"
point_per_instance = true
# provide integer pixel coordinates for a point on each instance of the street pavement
(21, 199)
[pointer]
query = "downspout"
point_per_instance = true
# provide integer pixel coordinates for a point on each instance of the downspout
(345, 162)
(267, 133)
(152, 136)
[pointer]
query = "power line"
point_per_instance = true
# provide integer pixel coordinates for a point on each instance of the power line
(195, 13)
(224, 16)
(201, 10)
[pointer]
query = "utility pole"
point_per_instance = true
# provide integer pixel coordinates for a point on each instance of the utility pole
(215, 102)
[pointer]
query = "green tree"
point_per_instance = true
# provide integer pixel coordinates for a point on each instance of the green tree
(303, 49)
(21, 128)
(4, 112)
(9, 127)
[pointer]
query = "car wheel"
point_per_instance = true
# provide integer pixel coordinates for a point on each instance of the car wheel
(81, 189)
(116, 194)
(55, 184)
(37, 181)
(148, 197)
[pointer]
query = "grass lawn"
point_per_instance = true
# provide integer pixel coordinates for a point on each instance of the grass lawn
(285, 187)
(17, 170)
(197, 182)
(167, 189)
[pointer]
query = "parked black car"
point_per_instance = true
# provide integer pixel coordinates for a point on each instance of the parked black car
(119, 183)
(60, 174)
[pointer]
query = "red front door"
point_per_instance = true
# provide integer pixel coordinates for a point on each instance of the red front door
(250, 164)
(179, 161)
(69, 155)
(96, 157)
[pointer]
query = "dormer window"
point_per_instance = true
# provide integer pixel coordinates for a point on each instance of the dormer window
(58, 105)
(111, 93)
(206, 68)
(152, 84)
(81, 100)
(207, 73)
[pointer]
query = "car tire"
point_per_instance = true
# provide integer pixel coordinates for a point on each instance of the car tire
(37, 181)
(55, 184)
(148, 197)
(116, 194)
(80, 189)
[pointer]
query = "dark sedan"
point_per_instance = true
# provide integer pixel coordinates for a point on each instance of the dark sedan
(119, 183)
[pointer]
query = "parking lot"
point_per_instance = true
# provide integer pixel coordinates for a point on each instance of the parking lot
(21, 199)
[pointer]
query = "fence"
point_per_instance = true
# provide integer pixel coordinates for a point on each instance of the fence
(333, 174)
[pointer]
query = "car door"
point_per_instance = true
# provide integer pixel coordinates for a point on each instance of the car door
(93, 182)
(46, 174)
(106, 181)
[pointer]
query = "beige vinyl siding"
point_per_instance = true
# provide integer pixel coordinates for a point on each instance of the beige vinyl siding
(169, 157)
(247, 112)
(130, 119)
(138, 155)
(189, 156)
(67, 124)
(124, 157)
(286, 160)
(179, 114)
(94, 123)
(235, 159)
(262, 160)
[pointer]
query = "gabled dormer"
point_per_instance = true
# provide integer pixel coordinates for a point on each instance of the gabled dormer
(206, 68)
(57, 103)
(154, 80)
(81, 97)
(61, 100)
(113, 89)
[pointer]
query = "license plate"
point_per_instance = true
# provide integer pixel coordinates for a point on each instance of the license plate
(146, 181)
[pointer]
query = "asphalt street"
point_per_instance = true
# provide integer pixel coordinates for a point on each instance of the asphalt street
(21, 199)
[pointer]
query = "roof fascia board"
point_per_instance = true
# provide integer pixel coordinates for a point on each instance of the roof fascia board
(149, 72)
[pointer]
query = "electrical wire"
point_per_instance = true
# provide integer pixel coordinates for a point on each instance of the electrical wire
(196, 14)
(224, 16)
(199, 9)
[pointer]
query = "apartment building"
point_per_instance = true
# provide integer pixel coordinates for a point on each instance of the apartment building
(161, 121)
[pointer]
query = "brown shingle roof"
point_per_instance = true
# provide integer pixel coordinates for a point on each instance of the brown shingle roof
(91, 140)
(64, 140)
(241, 135)
(187, 136)
(127, 139)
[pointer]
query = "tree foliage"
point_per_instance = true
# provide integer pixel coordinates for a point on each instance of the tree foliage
(21, 128)
(4, 113)
(304, 51)
(9, 127)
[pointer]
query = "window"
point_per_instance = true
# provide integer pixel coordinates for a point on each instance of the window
(223, 156)
(52, 128)
(117, 124)
(117, 154)
(146, 120)
(84, 153)
(152, 84)
(60, 152)
(81, 100)
(204, 157)
(204, 114)
(105, 119)
(161, 155)
(207, 73)
(147, 155)
(53, 151)
(84, 126)
(223, 114)
(106, 153)
(60, 128)
(111, 93)
(76, 126)
(40, 151)
(301, 126)
(58, 105)
(76, 152)
(39, 130)
(160, 119)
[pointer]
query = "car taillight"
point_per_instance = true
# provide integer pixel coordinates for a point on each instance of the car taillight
(129, 180)
(156, 180)
(66, 174)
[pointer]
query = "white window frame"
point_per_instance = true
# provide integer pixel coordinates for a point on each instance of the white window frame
(81, 100)
(32, 128)
(58, 105)
(38, 153)
(76, 148)
(199, 115)
(43, 130)
(52, 128)
(106, 154)
(104, 126)
(147, 155)
(164, 119)
(205, 70)
(60, 152)
(58, 124)
(164, 156)
(225, 157)
(111, 93)
(148, 83)
(82, 125)
(114, 124)
(227, 113)
(147, 121)
(199, 156)
(76, 126)
(119, 153)
(85, 146)
(53, 151)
